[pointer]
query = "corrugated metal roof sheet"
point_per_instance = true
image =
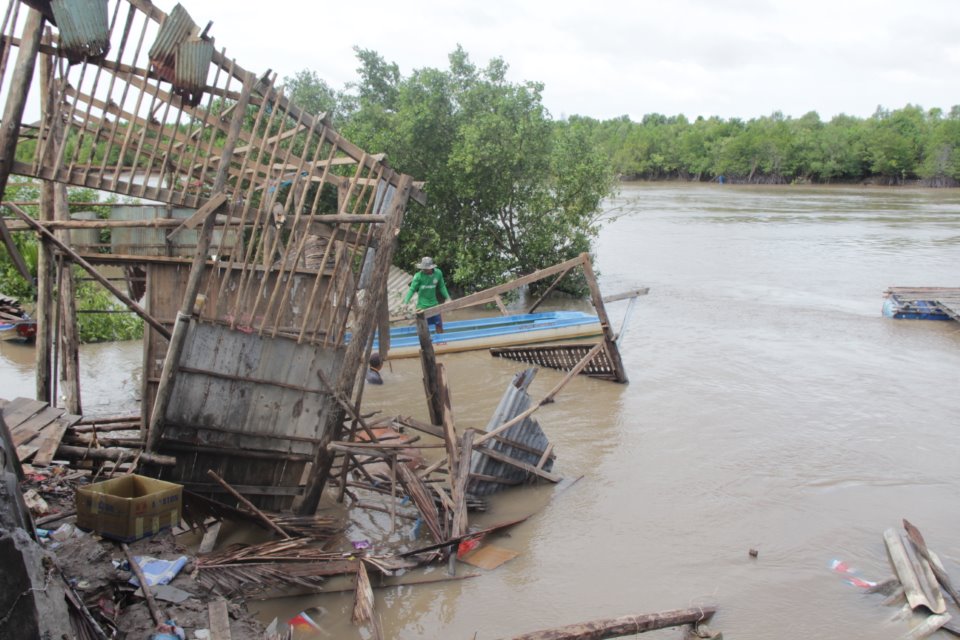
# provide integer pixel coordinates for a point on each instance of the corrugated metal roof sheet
(83, 25)
(177, 27)
(193, 63)
(527, 434)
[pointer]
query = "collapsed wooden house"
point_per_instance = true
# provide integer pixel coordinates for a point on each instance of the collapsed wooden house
(284, 252)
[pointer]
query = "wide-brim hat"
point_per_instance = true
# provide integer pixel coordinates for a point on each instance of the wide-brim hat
(426, 263)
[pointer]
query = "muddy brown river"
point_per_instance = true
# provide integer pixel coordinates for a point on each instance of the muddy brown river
(770, 407)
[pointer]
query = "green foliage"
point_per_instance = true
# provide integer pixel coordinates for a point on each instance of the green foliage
(103, 327)
(509, 189)
(889, 147)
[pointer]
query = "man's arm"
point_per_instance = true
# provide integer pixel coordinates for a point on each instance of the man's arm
(443, 286)
(414, 285)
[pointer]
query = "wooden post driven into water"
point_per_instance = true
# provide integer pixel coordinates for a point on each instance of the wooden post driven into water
(69, 331)
(608, 335)
(179, 334)
(45, 270)
(428, 363)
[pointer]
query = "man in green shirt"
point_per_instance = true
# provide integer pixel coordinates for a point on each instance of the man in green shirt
(426, 284)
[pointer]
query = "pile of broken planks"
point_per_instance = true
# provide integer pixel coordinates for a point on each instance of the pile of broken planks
(42, 434)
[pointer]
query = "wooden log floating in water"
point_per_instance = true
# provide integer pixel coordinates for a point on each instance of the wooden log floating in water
(622, 626)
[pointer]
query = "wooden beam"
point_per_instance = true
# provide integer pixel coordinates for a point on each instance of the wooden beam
(472, 299)
(642, 291)
(428, 364)
(622, 626)
(529, 468)
(210, 206)
(584, 361)
(553, 285)
(613, 352)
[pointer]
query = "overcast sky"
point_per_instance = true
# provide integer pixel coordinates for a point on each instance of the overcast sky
(730, 58)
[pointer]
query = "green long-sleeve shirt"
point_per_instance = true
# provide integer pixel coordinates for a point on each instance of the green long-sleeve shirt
(426, 285)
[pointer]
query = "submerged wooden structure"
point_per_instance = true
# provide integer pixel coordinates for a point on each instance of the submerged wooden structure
(293, 231)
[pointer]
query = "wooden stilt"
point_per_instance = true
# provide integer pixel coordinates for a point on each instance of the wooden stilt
(45, 270)
(608, 336)
(69, 331)
(428, 362)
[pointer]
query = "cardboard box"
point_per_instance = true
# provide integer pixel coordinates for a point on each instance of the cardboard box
(129, 507)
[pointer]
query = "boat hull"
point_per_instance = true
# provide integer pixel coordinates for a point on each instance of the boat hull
(913, 310)
(486, 333)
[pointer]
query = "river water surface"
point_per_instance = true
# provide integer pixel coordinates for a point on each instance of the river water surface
(770, 407)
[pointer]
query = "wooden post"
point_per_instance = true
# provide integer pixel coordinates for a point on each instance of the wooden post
(329, 429)
(12, 114)
(179, 334)
(45, 272)
(69, 331)
(428, 363)
(458, 493)
(613, 352)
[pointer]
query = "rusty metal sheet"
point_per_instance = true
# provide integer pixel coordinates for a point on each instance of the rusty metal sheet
(193, 62)
(176, 28)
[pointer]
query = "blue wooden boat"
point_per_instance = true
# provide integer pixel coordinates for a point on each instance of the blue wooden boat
(498, 331)
(922, 303)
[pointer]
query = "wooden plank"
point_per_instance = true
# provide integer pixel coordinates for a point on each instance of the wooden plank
(50, 439)
(529, 468)
(30, 428)
(219, 621)
(626, 294)
(209, 541)
(20, 409)
(482, 296)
